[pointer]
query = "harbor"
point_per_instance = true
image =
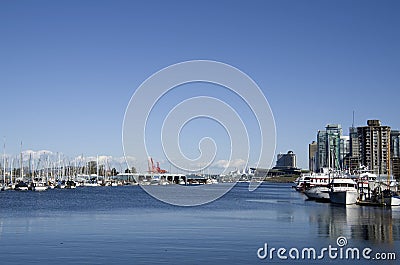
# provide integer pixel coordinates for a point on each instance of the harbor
(364, 189)
(361, 168)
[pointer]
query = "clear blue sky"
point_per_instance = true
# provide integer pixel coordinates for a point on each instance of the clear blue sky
(69, 68)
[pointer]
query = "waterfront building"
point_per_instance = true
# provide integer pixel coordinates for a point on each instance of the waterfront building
(374, 141)
(312, 156)
(286, 160)
(286, 164)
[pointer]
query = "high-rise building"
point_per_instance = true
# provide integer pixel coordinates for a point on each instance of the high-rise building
(374, 141)
(394, 143)
(334, 132)
(322, 150)
(351, 161)
(354, 143)
(312, 156)
(344, 149)
(395, 152)
(396, 167)
(329, 144)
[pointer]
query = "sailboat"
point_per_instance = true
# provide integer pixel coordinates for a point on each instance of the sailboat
(21, 185)
(37, 184)
(5, 185)
(11, 185)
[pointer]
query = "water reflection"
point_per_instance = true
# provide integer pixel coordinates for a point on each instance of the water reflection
(372, 224)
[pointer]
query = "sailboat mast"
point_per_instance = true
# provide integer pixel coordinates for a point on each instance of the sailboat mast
(97, 169)
(4, 162)
(59, 168)
(22, 168)
(105, 169)
(47, 169)
(388, 162)
(11, 170)
(30, 166)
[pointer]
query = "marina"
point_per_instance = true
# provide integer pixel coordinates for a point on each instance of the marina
(37, 175)
(363, 189)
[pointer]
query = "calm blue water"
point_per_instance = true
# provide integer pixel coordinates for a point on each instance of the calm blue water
(124, 225)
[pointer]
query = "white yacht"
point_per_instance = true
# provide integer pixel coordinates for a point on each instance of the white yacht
(343, 191)
(39, 186)
(306, 181)
(318, 187)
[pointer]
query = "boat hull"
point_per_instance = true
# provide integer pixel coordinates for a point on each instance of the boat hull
(343, 197)
(87, 184)
(317, 193)
(392, 201)
(40, 188)
(21, 188)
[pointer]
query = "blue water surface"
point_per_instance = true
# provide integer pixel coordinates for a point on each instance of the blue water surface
(124, 225)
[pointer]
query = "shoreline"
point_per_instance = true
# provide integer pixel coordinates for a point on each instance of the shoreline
(281, 179)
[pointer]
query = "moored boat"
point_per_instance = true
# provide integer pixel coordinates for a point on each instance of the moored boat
(391, 198)
(39, 186)
(21, 186)
(343, 191)
(70, 184)
(319, 193)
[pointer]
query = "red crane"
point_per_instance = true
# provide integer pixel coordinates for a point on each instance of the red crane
(155, 169)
